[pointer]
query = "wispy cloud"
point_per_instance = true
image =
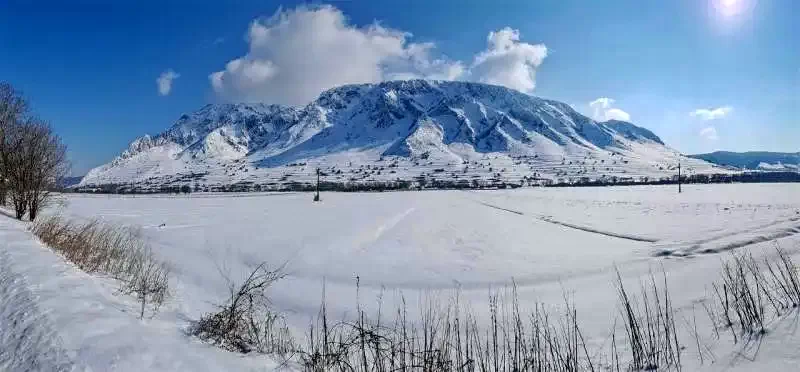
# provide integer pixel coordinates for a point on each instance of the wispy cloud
(602, 110)
(164, 81)
(712, 113)
(296, 54)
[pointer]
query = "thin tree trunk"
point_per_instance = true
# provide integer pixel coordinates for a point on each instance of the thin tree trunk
(19, 210)
(33, 210)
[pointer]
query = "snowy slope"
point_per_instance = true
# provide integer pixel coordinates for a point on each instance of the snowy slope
(462, 130)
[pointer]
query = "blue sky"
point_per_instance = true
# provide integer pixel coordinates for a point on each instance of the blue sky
(701, 74)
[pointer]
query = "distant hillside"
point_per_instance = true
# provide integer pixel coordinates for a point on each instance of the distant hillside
(778, 161)
(70, 181)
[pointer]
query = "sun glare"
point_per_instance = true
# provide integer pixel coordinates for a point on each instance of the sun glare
(730, 8)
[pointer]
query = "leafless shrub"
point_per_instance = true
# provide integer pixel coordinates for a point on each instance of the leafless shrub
(748, 290)
(118, 251)
(783, 279)
(450, 338)
(149, 282)
(246, 322)
(650, 327)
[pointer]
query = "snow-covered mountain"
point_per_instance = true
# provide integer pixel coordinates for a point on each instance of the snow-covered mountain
(389, 131)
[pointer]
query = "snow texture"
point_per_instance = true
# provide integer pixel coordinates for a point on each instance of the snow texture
(418, 244)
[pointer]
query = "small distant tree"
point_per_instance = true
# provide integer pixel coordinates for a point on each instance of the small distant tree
(186, 189)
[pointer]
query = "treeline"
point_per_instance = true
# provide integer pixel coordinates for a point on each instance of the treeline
(295, 186)
(33, 159)
(420, 183)
(747, 177)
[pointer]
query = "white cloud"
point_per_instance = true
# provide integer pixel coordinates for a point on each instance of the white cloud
(617, 114)
(602, 110)
(709, 133)
(509, 62)
(712, 113)
(164, 81)
(296, 54)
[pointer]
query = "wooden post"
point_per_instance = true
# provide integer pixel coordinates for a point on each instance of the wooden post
(316, 197)
(680, 189)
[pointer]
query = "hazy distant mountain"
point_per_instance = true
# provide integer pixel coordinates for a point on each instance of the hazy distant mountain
(69, 181)
(389, 131)
(760, 160)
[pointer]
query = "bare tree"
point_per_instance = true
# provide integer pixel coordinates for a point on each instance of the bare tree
(32, 157)
(48, 165)
(13, 108)
(37, 161)
(15, 166)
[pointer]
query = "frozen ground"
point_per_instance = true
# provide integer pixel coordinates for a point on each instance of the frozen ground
(549, 241)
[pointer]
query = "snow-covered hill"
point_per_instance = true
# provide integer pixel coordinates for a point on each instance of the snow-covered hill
(759, 160)
(398, 130)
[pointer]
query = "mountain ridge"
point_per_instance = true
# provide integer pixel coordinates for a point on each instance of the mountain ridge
(760, 160)
(408, 122)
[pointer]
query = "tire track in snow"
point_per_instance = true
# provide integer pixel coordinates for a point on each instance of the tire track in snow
(734, 233)
(382, 228)
(577, 227)
(741, 240)
(502, 209)
(601, 232)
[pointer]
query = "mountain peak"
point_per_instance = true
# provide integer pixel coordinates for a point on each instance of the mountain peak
(411, 122)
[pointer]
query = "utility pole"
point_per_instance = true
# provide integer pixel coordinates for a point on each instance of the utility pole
(680, 189)
(316, 196)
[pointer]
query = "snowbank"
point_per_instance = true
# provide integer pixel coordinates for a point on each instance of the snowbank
(54, 317)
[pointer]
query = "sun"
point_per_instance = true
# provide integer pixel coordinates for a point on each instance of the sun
(729, 8)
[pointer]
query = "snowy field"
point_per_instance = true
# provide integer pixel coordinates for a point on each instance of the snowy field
(434, 243)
